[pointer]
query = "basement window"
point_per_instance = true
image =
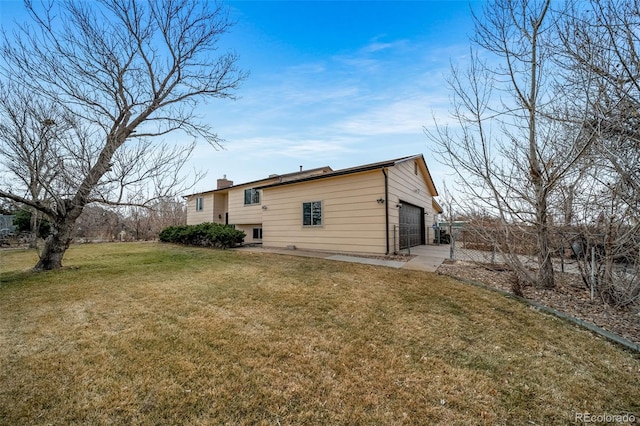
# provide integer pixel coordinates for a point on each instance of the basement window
(312, 213)
(257, 233)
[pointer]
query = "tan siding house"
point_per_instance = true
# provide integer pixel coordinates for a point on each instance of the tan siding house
(377, 208)
(351, 219)
(200, 209)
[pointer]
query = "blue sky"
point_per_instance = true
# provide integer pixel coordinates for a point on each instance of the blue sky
(331, 83)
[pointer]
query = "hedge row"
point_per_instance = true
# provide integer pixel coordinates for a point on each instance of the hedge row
(204, 235)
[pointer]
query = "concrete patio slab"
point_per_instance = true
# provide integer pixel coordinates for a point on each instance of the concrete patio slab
(367, 261)
(426, 258)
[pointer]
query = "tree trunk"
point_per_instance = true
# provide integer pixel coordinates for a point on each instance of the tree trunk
(33, 244)
(56, 244)
(545, 277)
(545, 265)
(606, 283)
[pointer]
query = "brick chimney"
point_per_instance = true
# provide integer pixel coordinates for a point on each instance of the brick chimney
(224, 183)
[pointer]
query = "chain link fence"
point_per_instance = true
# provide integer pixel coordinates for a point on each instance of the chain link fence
(607, 260)
(487, 244)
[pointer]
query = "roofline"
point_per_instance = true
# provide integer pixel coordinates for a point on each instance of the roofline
(364, 168)
(341, 172)
(436, 206)
(411, 157)
(254, 182)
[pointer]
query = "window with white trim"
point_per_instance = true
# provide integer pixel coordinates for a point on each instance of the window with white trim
(199, 203)
(312, 213)
(251, 196)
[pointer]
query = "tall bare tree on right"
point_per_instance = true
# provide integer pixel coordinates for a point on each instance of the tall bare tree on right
(506, 144)
(603, 41)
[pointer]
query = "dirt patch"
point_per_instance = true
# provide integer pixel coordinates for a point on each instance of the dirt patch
(570, 296)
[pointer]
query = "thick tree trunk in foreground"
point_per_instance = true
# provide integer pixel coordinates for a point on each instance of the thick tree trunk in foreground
(56, 244)
(54, 248)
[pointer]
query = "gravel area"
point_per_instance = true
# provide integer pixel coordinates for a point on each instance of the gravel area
(570, 296)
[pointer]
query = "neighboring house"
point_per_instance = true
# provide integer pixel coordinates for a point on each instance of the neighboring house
(377, 208)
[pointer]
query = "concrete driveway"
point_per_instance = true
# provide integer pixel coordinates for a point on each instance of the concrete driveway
(427, 258)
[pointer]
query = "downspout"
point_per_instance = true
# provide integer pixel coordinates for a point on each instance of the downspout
(386, 208)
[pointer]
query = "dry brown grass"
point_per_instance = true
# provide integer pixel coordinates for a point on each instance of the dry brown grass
(161, 334)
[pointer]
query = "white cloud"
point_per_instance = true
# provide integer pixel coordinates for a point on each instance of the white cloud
(377, 46)
(341, 111)
(403, 116)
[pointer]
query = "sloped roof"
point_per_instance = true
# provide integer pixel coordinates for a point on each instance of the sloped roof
(327, 172)
(260, 183)
(437, 207)
(364, 168)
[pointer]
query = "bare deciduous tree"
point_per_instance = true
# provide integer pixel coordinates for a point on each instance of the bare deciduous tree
(508, 148)
(603, 41)
(30, 151)
(147, 223)
(121, 73)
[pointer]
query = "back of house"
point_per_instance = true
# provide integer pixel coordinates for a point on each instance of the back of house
(377, 208)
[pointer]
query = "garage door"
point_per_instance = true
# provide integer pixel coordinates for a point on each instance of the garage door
(411, 225)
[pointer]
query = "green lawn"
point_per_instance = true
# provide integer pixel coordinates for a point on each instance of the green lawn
(161, 334)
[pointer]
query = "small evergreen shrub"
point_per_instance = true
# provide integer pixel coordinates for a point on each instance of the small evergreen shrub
(22, 222)
(204, 235)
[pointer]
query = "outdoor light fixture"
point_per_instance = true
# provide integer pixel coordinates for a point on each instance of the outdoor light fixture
(399, 206)
(380, 200)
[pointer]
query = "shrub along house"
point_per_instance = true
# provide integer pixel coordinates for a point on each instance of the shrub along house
(377, 208)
